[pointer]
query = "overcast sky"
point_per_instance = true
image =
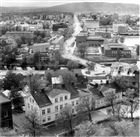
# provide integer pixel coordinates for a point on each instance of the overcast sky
(47, 3)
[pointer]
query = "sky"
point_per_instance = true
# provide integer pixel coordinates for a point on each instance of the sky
(48, 3)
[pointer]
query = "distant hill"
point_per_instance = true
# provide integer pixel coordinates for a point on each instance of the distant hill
(96, 7)
(82, 7)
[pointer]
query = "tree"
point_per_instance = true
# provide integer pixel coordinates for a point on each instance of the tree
(86, 106)
(69, 78)
(36, 58)
(89, 129)
(120, 111)
(122, 39)
(72, 64)
(12, 80)
(65, 119)
(24, 63)
(19, 42)
(34, 83)
(138, 50)
(33, 126)
(110, 98)
(82, 49)
(49, 77)
(132, 100)
(57, 56)
(123, 127)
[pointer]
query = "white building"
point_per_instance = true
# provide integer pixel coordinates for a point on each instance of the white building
(49, 103)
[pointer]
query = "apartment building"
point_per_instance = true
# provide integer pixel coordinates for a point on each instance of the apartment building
(40, 47)
(6, 120)
(92, 40)
(48, 103)
(115, 49)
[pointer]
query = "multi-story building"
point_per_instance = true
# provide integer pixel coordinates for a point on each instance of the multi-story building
(26, 34)
(59, 40)
(92, 40)
(40, 47)
(48, 103)
(115, 49)
(120, 28)
(91, 24)
(6, 120)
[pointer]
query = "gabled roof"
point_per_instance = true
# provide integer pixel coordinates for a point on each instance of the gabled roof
(81, 79)
(96, 92)
(102, 88)
(71, 89)
(41, 99)
(3, 98)
(55, 92)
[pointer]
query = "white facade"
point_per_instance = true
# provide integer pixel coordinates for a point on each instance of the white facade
(50, 112)
(102, 101)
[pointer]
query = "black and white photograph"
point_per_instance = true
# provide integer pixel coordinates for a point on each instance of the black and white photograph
(69, 68)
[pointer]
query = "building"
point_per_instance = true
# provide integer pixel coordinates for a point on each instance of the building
(91, 24)
(120, 28)
(40, 47)
(117, 49)
(50, 101)
(6, 120)
(92, 40)
(59, 40)
(26, 34)
(123, 69)
(44, 56)
(103, 34)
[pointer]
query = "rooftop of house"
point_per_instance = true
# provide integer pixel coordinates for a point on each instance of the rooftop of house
(119, 64)
(41, 99)
(55, 92)
(93, 37)
(3, 98)
(41, 44)
(18, 32)
(57, 80)
(96, 92)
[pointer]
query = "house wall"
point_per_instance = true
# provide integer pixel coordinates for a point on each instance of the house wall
(6, 115)
(51, 116)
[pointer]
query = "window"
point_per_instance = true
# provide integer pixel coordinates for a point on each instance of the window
(61, 98)
(61, 106)
(33, 100)
(56, 115)
(48, 110)
(49, 118)
(5, 113)
(6, 124)
(56, 108)
(28, 105)
(56, 99)
(44, 120)
(72, 110)
(43, 112)
(66, 97)
(77, 102)
(72, 103)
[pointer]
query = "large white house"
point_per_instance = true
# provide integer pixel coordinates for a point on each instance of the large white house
(48, 103)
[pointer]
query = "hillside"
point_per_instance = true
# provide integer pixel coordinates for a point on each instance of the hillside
(85, 7)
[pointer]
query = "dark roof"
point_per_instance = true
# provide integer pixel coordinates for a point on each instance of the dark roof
(96, 92)
(81, 79)
(130, 78)
(41, 99)
(74, 92)
(97, 77)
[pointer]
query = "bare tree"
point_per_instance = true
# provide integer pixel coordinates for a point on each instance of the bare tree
(120, 111)
(110, 98)
(86, 106)
(33, 126)
(88, 129)
(132, 100)
(65, 119)
(123, 127)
